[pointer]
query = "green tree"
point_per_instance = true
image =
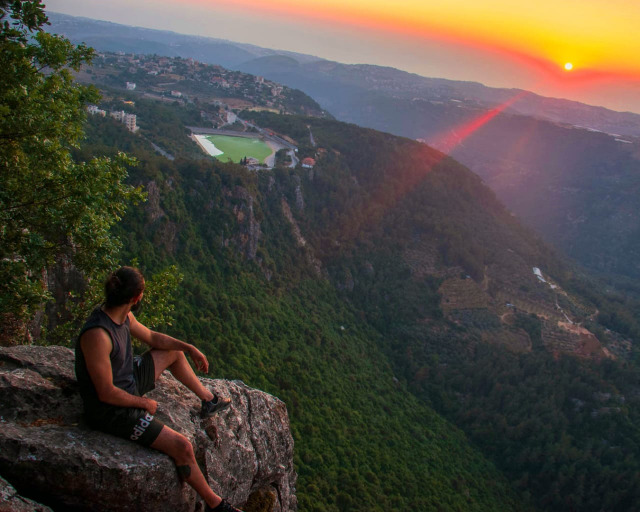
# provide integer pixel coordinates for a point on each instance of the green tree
(51, 207)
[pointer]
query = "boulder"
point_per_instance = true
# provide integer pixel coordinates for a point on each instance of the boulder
(49, 455)
(11, 501)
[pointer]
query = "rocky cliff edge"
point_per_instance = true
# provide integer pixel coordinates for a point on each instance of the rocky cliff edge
(49, 455)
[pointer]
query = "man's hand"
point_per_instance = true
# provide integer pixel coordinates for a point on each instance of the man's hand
(199, 359)
(151, 406)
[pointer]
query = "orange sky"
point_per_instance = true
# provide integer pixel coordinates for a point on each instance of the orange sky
(496, 42)
(600, 34)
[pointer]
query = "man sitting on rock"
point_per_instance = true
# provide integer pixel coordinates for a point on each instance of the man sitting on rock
(113, 382)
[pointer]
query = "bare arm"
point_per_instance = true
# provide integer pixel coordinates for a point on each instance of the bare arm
(159, 341)
(96, 347)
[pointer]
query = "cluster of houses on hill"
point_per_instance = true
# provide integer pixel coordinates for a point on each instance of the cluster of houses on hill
(129, 120)
(158, 73)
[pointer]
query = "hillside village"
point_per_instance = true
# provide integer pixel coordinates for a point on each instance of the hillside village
(218, 94)
(188, 69)
(187, 80)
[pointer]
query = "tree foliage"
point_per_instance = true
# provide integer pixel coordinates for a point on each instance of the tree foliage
(50, 205)
(562, 429)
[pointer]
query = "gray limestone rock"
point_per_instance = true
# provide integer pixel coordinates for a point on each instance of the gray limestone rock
(50, 455)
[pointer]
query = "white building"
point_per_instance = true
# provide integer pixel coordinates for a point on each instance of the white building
(129, 120)
(95, 111)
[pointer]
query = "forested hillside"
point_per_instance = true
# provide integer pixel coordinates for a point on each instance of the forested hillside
(383, 284)
(574, 185)
(254, 302)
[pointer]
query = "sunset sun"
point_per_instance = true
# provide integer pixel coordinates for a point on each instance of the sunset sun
(568, 66)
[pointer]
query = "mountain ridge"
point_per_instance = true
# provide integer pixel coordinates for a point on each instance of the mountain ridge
(130, 37)
(472, 89)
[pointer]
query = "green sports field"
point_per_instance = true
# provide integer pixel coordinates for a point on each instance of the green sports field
(236, 148)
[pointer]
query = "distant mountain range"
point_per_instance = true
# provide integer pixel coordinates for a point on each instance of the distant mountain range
(331, 83)
(107, 36)
(543, 157)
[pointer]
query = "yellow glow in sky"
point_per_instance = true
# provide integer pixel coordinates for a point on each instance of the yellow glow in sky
(501, 43)
(599, 34)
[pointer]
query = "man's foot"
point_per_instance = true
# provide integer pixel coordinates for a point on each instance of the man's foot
(223, 507)
(214, 405)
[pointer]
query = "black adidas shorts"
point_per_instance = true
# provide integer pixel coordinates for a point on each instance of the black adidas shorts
(134, 424)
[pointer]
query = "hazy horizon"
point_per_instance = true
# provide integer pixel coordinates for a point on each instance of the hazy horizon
(333, 32)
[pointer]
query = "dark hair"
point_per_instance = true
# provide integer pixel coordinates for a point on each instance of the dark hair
(123, 285)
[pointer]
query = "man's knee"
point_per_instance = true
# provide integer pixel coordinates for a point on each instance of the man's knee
(177, 446)
(177, 356)
(166, 359)
(184, 449)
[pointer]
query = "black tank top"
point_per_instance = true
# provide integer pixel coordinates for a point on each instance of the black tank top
(121, 357)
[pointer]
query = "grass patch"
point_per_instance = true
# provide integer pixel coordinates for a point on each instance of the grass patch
(236, 148)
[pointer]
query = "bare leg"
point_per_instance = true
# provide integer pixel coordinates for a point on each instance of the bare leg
(176, 362)
(180, 450)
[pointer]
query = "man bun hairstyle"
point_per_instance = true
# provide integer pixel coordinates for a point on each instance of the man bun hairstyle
(123, 285)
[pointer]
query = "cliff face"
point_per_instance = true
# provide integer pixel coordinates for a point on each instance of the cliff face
(48, 454)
